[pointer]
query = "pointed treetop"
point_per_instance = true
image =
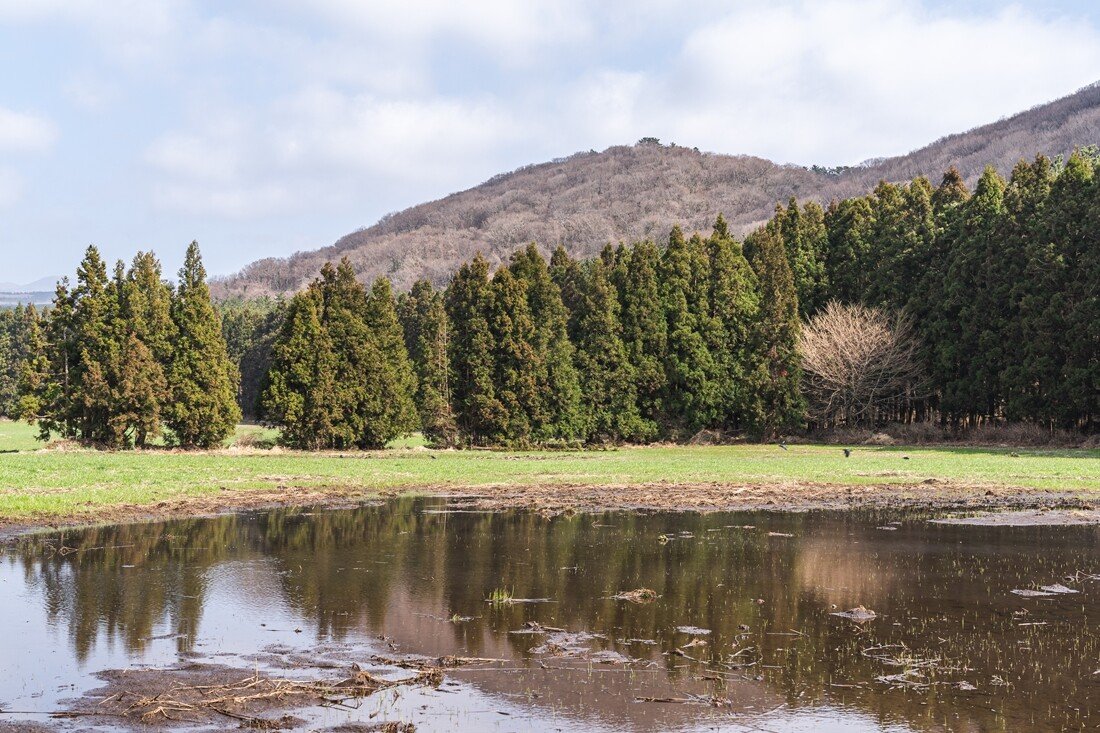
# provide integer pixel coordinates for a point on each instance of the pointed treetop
(192, 274)
(721, 228)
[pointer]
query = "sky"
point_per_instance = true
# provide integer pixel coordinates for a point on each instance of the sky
(264, 127)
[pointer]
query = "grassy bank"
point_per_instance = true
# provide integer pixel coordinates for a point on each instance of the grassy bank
(37, 485)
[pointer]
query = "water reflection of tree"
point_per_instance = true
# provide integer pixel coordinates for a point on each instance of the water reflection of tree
(361, 571)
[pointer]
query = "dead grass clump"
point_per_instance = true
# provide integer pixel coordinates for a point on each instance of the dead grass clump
(241, 699)
(639, 595)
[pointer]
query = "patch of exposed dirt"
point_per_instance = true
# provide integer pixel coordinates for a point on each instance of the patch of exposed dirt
(1028, 518)
(553, 499)
(930, 495)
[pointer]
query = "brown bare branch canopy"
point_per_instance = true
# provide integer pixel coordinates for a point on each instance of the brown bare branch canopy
(857, 361)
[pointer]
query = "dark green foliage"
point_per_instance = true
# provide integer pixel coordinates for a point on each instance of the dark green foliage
(469, 299)
(902, 230)
(802, 233)
(780, 404)
(847, 265)
(556, 412)
(202, 409)
(300, 394)
(391, 387)
(427, 339)
(517, 364)
(340, 375)
(1002, 287)
(34, 386)
(966, 366)
(98, 370)
(692, 390)
(1075, 288)
(735, 313)
(606, 374)
(1023, 287)
(645, 332)
(19, 329)
(250, 328)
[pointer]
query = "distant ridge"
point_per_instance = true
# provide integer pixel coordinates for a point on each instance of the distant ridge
(632, 192)
(45, 284)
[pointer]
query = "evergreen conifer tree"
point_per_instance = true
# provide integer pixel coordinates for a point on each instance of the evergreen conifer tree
(516, 361)
(1074, 288)
(779, 401)
(692, 388)
(967, 358)
(607, 379)
(393, 386)
(557, 414)
(1025, 240)
(735, 308)
(201, 379)
(847, 267)
(300, 394)
(35, 389)
(645, 332)
(427, 338)
(802, 232)
(480, 415)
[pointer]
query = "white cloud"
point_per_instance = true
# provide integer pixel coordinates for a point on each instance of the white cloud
(362, 105)
(318, 141)
(21, 132)
(838, 81)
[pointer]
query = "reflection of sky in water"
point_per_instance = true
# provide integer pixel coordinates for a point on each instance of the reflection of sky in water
(222, 589)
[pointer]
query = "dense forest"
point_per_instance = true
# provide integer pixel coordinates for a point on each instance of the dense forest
(1001, 286)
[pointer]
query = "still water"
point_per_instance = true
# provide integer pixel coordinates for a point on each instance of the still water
(742, 634)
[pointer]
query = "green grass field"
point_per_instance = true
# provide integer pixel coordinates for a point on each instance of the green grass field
(59, 483)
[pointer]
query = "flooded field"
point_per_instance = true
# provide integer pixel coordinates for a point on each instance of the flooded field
(589, 622)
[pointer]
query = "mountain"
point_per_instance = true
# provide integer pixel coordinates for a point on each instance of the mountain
(632, 192)
(42, 285)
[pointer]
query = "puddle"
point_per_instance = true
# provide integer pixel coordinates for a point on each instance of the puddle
(984, 627)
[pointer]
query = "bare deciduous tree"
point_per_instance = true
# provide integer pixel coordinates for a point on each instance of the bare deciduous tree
(859, 363)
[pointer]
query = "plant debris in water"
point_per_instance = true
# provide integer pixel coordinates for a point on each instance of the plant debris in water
(859, 614)
(693, 630)
(203, 693)
(640, 595)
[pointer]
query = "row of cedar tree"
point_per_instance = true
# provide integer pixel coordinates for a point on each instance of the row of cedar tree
(643, 342)
(120, 357)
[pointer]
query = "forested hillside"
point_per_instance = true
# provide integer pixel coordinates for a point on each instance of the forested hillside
(627, 193)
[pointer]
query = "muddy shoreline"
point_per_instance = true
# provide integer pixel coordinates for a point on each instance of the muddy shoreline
(554, 499)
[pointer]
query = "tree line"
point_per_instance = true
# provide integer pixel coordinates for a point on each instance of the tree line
(1000, 286)
(638, 344)
(123, 359)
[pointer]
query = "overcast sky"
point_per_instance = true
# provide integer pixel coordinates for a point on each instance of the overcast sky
(261, 128)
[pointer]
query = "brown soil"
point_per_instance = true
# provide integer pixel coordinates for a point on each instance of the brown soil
(932, 494)
(1028, 518)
